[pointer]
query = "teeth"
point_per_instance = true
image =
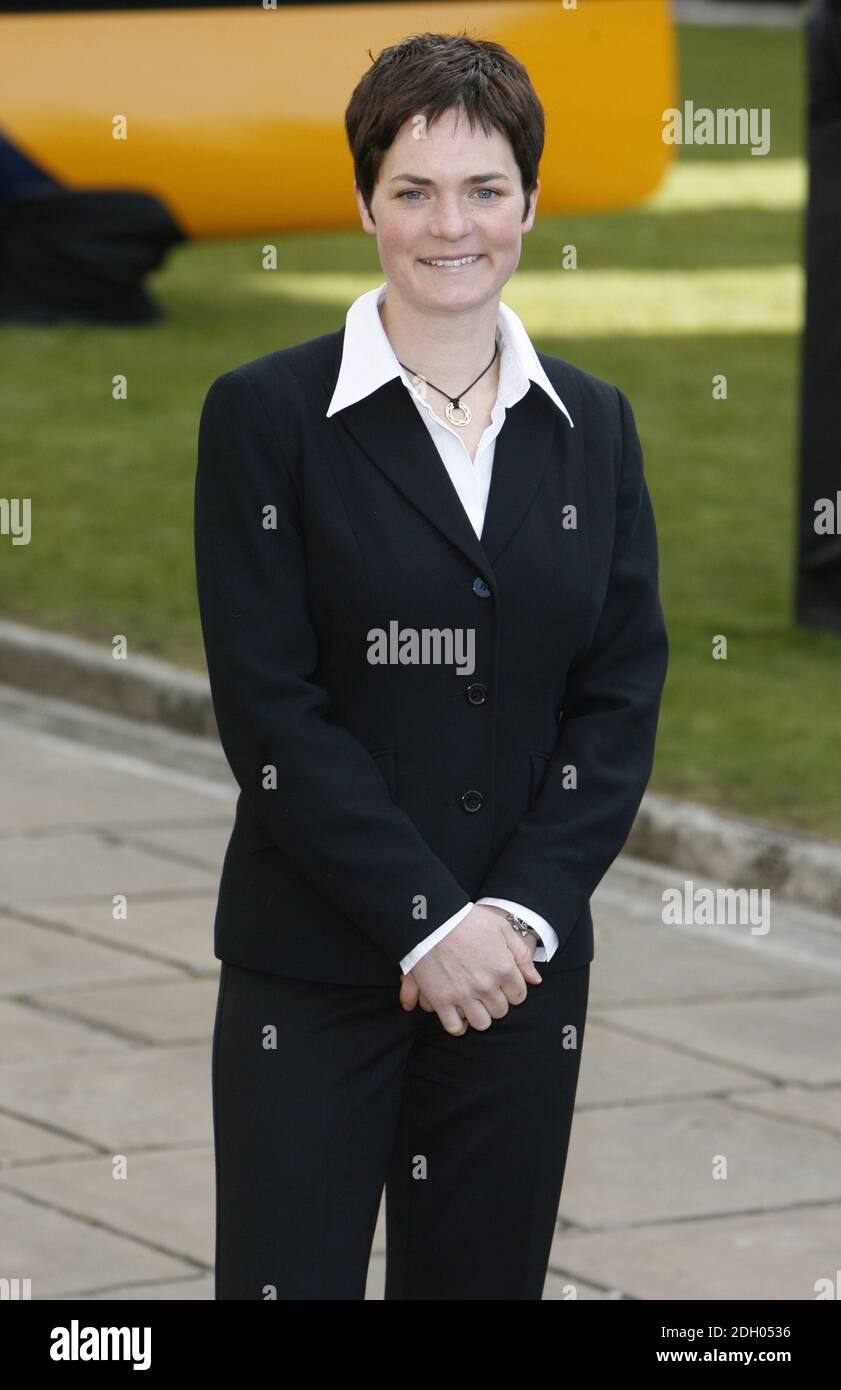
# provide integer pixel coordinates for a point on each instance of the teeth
(464, 260)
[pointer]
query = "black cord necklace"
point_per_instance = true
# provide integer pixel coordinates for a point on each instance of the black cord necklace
(454, 402)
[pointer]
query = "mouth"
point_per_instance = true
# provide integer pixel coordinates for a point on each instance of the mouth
(452, 263)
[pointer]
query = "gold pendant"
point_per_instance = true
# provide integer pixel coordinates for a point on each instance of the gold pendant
(450, 413)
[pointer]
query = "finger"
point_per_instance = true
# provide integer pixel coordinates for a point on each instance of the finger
(497, 1003)
(515, 983)
(477, 1015)
(452, 1020)
(527, 969)
(409, 991)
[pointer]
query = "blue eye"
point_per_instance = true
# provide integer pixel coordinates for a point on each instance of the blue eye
(496, 194)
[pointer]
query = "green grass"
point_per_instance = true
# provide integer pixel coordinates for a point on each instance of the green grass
(747, 67)
(112, 482)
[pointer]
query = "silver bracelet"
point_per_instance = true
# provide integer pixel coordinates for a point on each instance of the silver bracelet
(522, 927)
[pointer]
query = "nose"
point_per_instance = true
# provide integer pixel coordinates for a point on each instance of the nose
(450, 219)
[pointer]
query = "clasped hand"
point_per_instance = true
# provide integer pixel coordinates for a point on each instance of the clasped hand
(471, 977)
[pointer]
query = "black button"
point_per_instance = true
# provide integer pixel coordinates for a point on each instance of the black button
(476, 693)
(481, 588)
(472, 800)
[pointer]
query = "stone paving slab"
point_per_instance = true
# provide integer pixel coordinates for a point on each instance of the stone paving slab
(26, 1030)
(793, 1038)
(22, 1142)
(821, 1107)
(118, 1100)
(85, 864)
(162, 1202)
(618, 1068)
(774, 1256)
(65, 1256)
(174, 1011)
(651, 1163)
(635, 966)
(50, 781)
(43, 958)
(173, 928)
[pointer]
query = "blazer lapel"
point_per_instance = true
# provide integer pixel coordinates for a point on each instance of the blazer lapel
(387, 427)
(532, 433)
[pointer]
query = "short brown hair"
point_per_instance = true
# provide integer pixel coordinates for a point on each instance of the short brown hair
(429, 74)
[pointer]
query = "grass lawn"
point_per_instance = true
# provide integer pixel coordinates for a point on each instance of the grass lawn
(703, 279)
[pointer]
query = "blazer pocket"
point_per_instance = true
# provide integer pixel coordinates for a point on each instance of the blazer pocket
(386, 760)
(538, 766)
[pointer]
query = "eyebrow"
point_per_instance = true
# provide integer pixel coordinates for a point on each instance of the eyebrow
(471, 178)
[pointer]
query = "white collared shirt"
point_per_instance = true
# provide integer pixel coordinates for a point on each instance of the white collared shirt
(368, 362)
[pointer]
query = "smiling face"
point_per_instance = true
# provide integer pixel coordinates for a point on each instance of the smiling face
(446, 192)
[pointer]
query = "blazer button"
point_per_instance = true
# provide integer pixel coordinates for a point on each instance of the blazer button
(472, 800)
(481, 588)
(476, 693)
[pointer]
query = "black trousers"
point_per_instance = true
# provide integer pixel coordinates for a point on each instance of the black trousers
(323, 1094)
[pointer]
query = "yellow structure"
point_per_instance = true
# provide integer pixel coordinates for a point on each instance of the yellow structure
(234, 117)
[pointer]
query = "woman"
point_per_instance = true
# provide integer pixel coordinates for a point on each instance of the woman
(428, 581)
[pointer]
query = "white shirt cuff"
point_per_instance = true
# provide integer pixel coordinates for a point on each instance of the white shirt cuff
(547, 933)
(419, 951)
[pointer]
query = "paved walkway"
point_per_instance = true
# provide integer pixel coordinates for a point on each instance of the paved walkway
(703, 1046)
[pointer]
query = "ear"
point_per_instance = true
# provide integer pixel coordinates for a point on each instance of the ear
(528, 220)
(368, 223)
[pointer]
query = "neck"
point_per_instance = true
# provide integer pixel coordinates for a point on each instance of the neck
(448, 349)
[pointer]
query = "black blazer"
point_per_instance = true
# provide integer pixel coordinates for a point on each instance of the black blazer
(377, 800)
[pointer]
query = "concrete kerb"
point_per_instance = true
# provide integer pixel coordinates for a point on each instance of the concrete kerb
(736, 851)
(141, 687)
(696, 839)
